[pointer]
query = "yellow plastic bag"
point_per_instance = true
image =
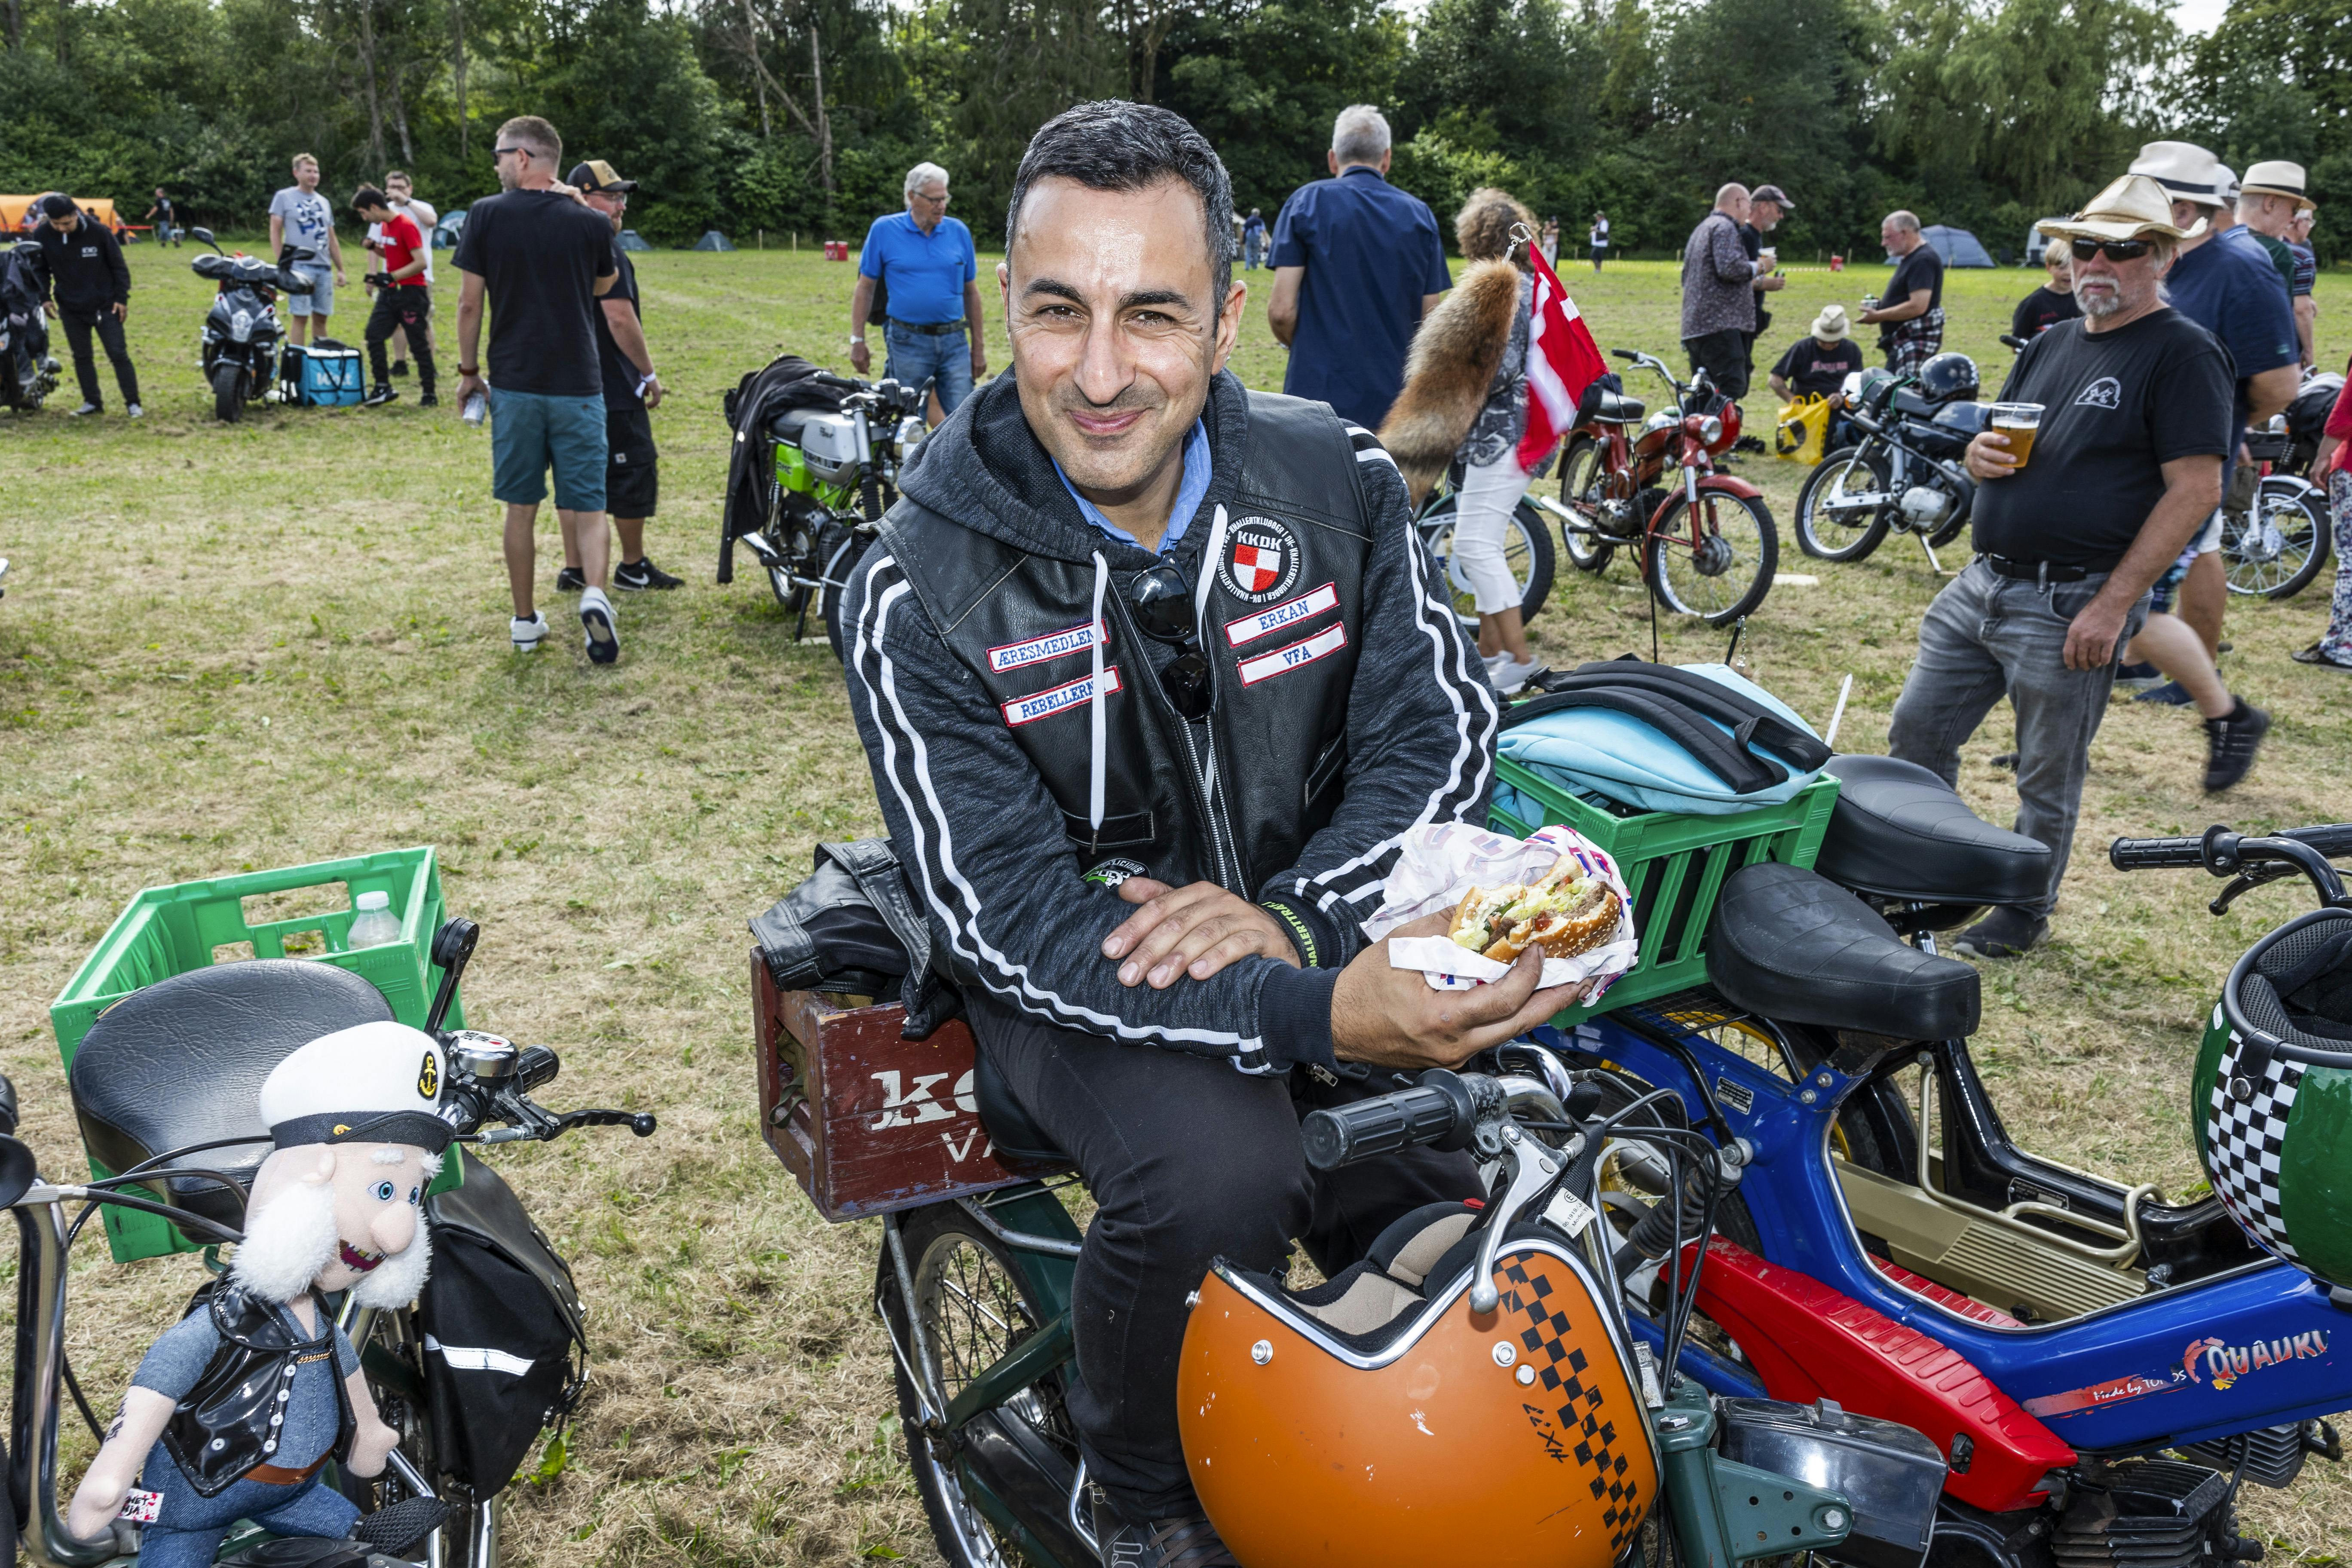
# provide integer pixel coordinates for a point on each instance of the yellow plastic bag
(1802, 429)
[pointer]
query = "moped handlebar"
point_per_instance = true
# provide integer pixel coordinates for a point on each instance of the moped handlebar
(2250, 859)
(1382, 1125)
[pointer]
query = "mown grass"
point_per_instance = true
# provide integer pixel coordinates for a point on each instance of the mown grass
(243, 647)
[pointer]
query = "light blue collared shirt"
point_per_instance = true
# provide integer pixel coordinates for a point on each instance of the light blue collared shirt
(1189, 491)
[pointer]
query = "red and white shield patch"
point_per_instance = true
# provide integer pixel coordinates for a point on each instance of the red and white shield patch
(1258, 567)
(1261, 561)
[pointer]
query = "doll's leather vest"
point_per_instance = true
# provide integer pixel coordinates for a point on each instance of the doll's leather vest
(1233, 799)
(222, 1429)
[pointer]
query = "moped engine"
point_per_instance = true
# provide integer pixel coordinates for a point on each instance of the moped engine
(2157, 1513)
(1926, 508)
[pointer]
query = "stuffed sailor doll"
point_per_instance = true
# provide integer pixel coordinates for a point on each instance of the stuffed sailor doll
(235, 1410)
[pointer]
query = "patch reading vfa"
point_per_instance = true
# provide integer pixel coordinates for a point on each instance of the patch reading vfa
(1261, 560)
(2104, 392)
(1114, 871)
(428, 1077)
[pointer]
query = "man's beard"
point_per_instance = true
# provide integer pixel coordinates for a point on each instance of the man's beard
(2099, 300)
(291, 1240)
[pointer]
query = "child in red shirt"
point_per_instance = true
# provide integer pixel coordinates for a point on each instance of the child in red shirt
(402, 299)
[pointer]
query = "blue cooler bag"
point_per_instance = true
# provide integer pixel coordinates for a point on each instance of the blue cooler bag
(327, 374)
(1695, 738)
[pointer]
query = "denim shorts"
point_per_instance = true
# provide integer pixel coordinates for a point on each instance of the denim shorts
(318, 299)
(531, 433)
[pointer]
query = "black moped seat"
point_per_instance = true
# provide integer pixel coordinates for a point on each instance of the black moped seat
(1793, 946)
(1616, 408)
(1021, 1145)
(182, 1061)
(1900, 832)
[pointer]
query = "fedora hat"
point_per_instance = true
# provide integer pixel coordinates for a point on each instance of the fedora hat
(2188, 170)
(2277, 178)
(1832, 325)
(2131, 208)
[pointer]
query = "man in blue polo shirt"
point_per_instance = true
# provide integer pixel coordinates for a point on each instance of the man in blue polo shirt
(924, 263)
(1357, 264)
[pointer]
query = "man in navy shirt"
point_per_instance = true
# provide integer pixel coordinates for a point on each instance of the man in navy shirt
(924, 262)
(1357, 264)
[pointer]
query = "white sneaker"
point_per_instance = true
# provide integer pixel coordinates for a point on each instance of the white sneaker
(1512, 673)
(527, 634)
(597, 617)
(85, 410)
(136, 412)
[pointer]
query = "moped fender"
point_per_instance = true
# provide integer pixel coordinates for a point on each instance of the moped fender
(1730, 486)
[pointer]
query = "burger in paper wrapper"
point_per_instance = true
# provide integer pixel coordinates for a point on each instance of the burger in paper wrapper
(1554, 891)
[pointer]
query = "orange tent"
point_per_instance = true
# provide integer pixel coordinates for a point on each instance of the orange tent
(12, 210)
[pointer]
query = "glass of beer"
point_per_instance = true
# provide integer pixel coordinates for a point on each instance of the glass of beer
(2016, 422)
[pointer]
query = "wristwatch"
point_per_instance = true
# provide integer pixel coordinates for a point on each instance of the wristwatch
(857, 341)
(470, 370)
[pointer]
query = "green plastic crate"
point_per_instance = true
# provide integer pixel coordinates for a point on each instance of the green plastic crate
(189, 926)
(1674, 865)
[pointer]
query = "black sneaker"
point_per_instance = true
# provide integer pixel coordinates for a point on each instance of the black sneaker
(382, 393)
(2171, 694)
(570, 580)
(2231, 744)
(638, 575)
(400, 367)
(427, 400)
(1187, 1541)
(2007, 932)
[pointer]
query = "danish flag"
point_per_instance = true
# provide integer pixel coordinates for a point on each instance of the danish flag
(1256, 567)
(1562, 360)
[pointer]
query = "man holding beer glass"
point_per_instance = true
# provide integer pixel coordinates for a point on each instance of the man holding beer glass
(2103, 457)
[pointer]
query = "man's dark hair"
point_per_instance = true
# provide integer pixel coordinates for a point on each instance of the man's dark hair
(1115, 145)
(369, 196)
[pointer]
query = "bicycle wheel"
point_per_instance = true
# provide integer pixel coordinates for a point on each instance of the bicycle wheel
(1833, 521)
(1580, 492)
(1718, 567)
(2279, 546)
(974, 1307)
(1527, 551)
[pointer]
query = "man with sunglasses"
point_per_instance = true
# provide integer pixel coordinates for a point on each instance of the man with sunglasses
(2123, 470)
(1152, 676)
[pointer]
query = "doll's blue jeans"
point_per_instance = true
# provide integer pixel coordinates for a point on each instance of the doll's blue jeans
(188, 1528)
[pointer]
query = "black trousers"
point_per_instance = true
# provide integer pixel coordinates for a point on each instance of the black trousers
(399, 306)
(108, 325)
(1723, 356)
(1187, 1160)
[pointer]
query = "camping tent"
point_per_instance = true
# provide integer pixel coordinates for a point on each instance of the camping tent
(632, 240)
(1958, 247)
(446, 232)
(712, 241)
(12, 210)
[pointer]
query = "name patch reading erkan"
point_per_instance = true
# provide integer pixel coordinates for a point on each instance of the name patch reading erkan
(1073, 694)
(1036, 650)
(1267, 666)
(1249, 628)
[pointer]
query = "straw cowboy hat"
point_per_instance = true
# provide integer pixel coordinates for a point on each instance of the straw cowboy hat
(2186, 169)
(1830, 325)
(2134, 208)
(2277, 178)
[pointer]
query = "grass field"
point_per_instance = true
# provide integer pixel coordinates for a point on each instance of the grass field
(227, 648)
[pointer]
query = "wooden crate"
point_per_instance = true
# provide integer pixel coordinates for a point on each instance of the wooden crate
(866, 1121)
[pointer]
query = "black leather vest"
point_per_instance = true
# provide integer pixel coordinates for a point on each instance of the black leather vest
(1232, 800)
(217, 1432)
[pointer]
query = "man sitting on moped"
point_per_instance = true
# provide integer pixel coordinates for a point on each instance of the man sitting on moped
(1152, 675)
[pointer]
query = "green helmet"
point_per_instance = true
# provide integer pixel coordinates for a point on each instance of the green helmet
(2272, 1099)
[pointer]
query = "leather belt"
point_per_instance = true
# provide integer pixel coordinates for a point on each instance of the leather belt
(2043, 573)
(929, 329)
(279, 1475)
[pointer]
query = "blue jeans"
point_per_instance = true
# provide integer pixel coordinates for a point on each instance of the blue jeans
(531, 433)
(917, 357)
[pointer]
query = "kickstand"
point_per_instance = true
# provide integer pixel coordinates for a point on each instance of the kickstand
(1935, 565)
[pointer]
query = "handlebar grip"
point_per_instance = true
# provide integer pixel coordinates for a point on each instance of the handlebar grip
(1382, 1125)
(537, 1065)
(1625, 353)
(2158, 854)
(2331, 840)
(827, 378)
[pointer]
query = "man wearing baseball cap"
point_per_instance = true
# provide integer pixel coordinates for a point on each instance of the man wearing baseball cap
(632, 478)
(1767, 206)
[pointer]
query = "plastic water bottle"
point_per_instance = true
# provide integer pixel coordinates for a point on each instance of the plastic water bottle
(478, 408)
(375, 924)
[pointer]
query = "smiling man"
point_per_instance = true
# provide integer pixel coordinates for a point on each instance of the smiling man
(1153, 674)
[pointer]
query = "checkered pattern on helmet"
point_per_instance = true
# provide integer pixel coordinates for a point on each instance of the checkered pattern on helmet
(1582, 1412)
(2245, 1133)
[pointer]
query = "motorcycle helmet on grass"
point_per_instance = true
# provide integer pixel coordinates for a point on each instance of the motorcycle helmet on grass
(2272, 1096)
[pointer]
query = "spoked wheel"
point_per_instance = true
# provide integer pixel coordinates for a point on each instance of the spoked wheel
(1832, 524)
(1716, 562)
(779, 577)
(2279, 546)
(1580, 479)
(973, 1306)
(1527, 551)
(394, 1349)
(839, 550)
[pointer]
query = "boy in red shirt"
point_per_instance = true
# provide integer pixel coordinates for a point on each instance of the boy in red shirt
(403, 301)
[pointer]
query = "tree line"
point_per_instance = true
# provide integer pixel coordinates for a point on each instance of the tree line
(802, 115)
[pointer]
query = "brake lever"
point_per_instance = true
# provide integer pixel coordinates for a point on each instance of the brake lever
(1533, 1168)
(2247, 881)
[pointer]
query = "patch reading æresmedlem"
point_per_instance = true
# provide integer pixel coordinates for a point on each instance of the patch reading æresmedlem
(1037, 649)
(1261, 560)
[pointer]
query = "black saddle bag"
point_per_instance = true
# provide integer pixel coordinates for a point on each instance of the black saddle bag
(853, 927)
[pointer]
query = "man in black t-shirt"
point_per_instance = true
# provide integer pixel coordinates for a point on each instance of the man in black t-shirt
(1816, 365)
(2053, 303)
(1910, 314)
(632, 391)
(542, 260)
(2124, 469)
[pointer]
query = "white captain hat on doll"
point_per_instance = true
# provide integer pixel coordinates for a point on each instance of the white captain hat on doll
(372, 1083)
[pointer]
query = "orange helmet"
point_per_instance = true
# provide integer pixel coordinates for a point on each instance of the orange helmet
(1378, 1420)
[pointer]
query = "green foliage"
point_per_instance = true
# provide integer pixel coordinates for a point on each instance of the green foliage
(2277, 80)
